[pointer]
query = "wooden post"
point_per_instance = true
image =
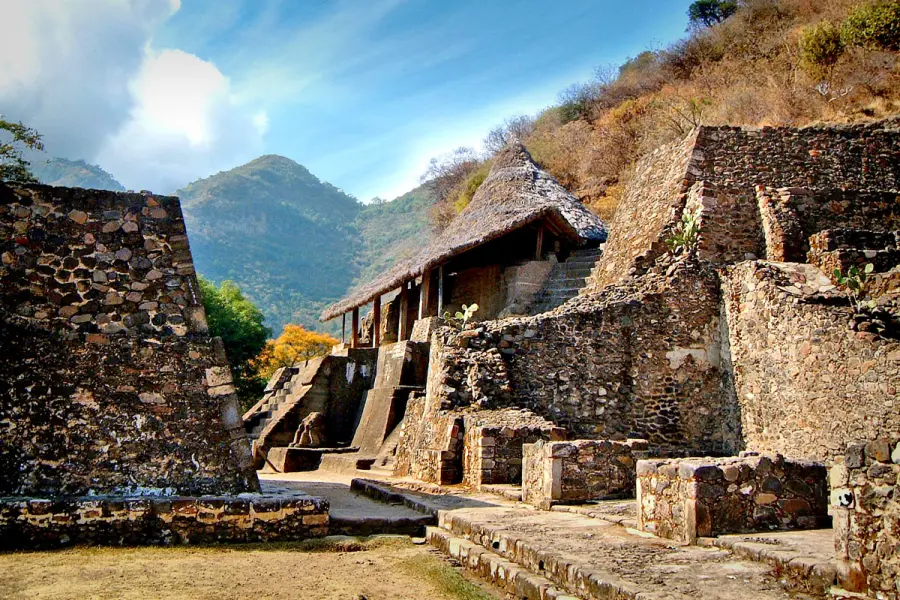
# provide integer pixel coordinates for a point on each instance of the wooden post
(440, 301)
(354, 335)
(425, 295)
(376, 327)
(344, 328)
(540, 243)
(403, 332)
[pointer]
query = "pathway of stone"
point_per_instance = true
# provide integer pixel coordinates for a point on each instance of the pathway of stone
(591, 556)
(351, 513)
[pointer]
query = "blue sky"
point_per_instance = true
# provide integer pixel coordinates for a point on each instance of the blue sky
(362, 92)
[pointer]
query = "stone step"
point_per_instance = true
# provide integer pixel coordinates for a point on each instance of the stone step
(515, 580)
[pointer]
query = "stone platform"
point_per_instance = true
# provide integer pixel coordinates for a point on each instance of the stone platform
(36, 523)
(536, 555)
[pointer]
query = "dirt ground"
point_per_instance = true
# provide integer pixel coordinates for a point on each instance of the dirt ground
(380, 569)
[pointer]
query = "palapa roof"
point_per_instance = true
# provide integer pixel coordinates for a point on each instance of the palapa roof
(515, 193)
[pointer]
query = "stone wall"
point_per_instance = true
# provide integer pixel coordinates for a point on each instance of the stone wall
(639, 360)
(580, 471)
(806, 383)
(109, 381)
(790, 216)
(684, 499)
(865, 500)
(724, 166)
(33, 523)
(493, 440)
(431, 434)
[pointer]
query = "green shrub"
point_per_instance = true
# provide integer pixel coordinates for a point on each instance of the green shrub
(875, 26)
(821, 48)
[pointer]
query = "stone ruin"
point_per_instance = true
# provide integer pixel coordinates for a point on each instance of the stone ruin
(119, 420)
(717, 388)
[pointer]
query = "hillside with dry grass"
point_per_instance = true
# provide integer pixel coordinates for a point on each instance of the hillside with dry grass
(770, 62)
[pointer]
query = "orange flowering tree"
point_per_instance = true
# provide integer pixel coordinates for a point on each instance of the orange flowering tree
(295, 344)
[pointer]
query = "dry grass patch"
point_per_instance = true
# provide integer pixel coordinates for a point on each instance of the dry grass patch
(380, 568)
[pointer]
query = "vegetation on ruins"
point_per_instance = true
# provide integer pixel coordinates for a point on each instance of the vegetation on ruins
(294, 345)
(685, 235)
(240, 324)
(856, 283)
(15, 139)
(461, 318)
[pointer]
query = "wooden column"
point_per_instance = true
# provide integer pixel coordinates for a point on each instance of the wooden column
(354, 334)
(425, 295)
(376, 328)
(403, 331)
(540, 243)
(440, 302)
(344, 328)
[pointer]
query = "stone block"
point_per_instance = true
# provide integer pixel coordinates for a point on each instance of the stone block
(684, 499)
(578, 471)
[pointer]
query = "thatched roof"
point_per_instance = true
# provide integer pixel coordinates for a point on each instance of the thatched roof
(515, 193)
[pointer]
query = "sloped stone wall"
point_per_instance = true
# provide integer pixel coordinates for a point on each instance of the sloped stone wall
(806, 383)
(109, 381)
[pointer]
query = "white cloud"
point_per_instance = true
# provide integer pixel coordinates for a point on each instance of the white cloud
(185, 123)
(65, 66)
(85, 74)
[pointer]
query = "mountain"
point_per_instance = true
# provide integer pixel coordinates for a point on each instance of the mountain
(393, 230)
(292, 242)
(74, 173)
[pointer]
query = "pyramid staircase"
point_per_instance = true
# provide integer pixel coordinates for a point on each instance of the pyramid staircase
(566, 280)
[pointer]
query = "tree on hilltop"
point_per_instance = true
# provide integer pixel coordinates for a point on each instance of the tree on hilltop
(14, 139)
(706, 13)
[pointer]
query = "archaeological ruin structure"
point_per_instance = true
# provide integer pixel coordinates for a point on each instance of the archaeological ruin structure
(732, 385)
(745, 348)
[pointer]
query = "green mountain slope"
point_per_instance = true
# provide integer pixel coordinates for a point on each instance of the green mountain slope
(393, 230)
(292, 242)
(74, 173)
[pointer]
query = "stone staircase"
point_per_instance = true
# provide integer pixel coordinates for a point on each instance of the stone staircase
(566, 280)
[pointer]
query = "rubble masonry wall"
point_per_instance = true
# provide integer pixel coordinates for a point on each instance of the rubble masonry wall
(109, 381)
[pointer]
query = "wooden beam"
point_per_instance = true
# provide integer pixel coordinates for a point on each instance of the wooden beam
(425, 295)
(344, 328)
(376, 327)
(540, 243)
(440, 302)
(354, 334)
(403, 330)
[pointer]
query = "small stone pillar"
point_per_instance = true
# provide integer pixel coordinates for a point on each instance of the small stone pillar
(579, 471)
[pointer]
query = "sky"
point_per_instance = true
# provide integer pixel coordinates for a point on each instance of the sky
(362, 92)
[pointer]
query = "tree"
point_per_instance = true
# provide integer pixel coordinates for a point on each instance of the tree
(239, 322)
(14, 139)
(448, 174)
(513, 128)
(295, 344)
(820, 49)
(875, 26)
(706, 13)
